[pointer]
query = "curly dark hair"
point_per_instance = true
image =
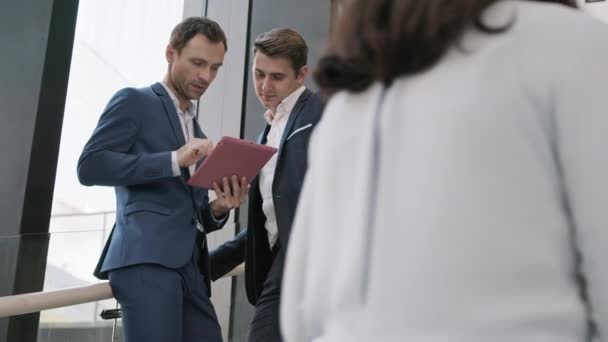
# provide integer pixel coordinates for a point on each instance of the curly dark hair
(381, 40)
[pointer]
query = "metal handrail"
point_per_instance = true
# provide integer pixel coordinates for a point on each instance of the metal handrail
(91, 213)
(38, 301)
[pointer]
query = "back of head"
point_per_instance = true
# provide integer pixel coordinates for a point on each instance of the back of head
(283, 43)
(190, 27)
(381, 40)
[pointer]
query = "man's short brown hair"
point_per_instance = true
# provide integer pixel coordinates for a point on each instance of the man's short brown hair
(190, 27)
(285, 43)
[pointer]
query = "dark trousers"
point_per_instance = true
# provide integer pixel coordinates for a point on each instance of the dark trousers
(265, 325)
(160, 304)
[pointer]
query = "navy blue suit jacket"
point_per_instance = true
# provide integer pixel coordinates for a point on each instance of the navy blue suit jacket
(156, 212)
(251, 245)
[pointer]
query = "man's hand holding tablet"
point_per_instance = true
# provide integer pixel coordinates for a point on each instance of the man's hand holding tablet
(229, 168)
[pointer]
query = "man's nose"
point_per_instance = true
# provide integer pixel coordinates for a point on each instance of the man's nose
(204, 74)
(266, 83)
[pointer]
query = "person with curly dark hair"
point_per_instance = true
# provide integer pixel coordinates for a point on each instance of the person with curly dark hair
(460, 165)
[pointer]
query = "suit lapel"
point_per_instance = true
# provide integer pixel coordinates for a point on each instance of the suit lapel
(261, 140)
(171, 113)
(198, 132)
(176, 126)
(295, 112)
(264, 135)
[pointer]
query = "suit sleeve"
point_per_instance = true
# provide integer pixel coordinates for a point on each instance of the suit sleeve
(107, 159)
(228, 256)
(210, 222)
(581, 122)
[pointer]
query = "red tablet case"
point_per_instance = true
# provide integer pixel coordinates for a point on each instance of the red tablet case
(231, 156)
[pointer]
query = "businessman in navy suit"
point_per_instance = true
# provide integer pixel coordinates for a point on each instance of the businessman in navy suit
(279, 71)
(146, 145)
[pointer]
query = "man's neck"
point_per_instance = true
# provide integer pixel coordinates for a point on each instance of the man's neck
(184, 103)
(273, 111)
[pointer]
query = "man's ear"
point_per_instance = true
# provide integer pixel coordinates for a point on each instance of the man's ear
(170, 54)
(301, 77)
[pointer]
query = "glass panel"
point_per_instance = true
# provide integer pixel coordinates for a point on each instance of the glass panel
(117, 44)
(72, 256)
(58, 330)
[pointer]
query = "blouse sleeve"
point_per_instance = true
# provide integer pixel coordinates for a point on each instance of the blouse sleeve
(293, 316)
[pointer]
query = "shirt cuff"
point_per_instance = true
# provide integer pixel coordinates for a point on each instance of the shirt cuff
(221, 219)
(174, 164)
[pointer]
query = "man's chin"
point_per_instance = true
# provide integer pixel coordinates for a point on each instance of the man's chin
(269, 105)
(196, 96)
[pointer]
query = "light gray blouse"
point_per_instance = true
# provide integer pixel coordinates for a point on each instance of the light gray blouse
(472, 212)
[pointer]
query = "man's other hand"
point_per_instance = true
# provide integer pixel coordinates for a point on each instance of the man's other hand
(230, 196)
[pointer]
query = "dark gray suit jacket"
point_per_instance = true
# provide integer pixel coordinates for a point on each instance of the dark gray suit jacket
(156, 212)
(251, 245)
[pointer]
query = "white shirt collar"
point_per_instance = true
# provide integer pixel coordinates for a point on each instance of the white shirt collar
(189, 114)
(285, 106)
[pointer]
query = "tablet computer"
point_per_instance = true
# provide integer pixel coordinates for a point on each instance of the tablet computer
(231, 156)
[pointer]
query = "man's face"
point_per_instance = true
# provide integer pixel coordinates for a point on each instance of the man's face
(195, 66)
(275, 79)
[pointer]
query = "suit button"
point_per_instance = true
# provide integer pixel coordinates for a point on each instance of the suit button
(193, 222)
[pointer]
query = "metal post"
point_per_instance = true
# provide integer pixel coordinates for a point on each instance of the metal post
(114, 339)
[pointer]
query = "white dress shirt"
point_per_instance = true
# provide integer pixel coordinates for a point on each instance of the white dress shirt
(186, 120)
(277, 126)
(487, 194)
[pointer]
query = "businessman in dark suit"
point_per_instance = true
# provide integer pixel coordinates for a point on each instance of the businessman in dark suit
(279, 71)
(146, 145)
